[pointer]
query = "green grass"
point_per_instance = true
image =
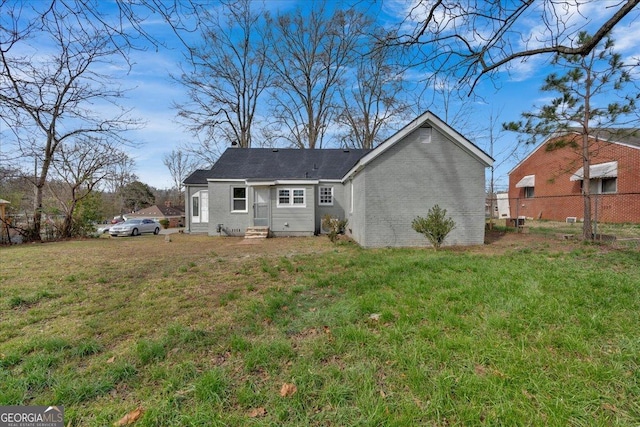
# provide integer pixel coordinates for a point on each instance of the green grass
(550, 228)
(205, 331)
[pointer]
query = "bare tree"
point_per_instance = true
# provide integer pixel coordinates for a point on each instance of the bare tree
(120, 175)
(451, 105)
(373, 98)
(309, 54)
(79, 166)
(180, 165)
(578, 106)
(227, 75)
(52, 95)
(472, 38)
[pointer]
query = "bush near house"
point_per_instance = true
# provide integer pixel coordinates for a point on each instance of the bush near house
(435, 227)
(333, 226)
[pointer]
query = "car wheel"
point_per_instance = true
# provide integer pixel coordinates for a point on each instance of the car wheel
(134, 232)
(156, 231)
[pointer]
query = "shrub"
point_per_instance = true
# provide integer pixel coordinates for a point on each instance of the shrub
(164, 223)
(436, 226)
(333, 226)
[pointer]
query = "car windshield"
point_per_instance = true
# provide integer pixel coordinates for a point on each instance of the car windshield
(133, 221)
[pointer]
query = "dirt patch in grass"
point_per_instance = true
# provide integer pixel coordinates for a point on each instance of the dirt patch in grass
(499, 242)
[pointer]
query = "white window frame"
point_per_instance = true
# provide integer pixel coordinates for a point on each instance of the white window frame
(234, 199)
(328, 198)
(292, 197)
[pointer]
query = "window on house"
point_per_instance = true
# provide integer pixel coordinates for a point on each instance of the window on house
(527, 183)
(609, 185)
(325, 195)
(283, 197)
(291, 197)
(239, 199)
(528, 193)
(602, 186)
(195, 205)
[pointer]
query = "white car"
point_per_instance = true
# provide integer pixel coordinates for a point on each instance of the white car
(103, 229)
(135, 227)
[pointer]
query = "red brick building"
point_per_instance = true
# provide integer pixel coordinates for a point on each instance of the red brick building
(547, 184)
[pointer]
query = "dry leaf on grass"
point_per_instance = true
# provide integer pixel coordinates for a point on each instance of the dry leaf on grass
(111, 359)
(257, 412)
(288, 390)
(130, 418)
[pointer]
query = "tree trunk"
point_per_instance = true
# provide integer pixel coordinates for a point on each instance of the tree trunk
(587, 228)
(67, 227)
(37, 214)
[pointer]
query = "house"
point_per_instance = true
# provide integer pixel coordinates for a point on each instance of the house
(378, 191)
(174, 215)
(547, 184)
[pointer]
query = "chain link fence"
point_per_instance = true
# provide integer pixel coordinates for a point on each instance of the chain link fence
(618, 208)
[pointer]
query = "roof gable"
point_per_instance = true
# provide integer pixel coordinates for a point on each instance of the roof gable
(427, 119)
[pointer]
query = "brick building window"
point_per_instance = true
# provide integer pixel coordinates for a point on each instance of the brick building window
(528, 193)
(527, 183)
(609, 185)
(602, 186)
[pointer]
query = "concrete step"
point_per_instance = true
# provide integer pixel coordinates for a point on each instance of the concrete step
(256, 233)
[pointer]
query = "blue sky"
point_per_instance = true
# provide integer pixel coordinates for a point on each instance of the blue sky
(506, 97)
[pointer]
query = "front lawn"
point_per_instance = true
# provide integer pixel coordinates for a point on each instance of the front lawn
(219, 331)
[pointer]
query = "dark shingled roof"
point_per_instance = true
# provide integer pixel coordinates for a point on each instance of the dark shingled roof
(199, 176)
(629, 136)
(272, 164)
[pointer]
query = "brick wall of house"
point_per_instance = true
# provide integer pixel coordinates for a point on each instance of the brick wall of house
(413, 176)
(556, 197)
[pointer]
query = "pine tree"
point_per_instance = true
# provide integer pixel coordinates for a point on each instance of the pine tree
(582, 104)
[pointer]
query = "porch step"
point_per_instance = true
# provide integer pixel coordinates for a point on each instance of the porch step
(256, 233)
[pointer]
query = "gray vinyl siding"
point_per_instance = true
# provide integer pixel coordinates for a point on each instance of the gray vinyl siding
(407, 180)
(201, 227)
(293, 221)
(338, 209)
(233, 223)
